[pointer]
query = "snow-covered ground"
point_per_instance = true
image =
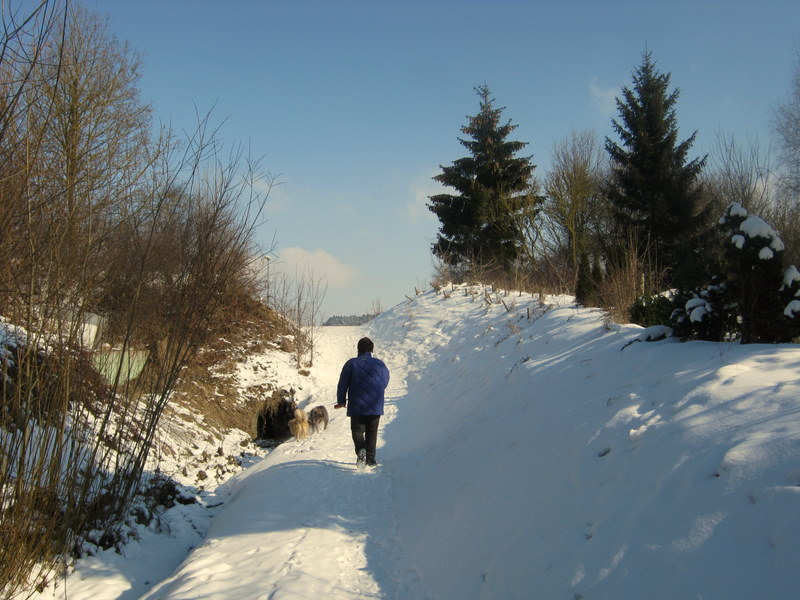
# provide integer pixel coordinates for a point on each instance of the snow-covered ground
(527, 452)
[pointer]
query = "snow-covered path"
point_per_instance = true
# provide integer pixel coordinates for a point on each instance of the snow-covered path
(304, 523)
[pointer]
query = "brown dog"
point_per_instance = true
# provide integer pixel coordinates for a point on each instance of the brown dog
(318, 418)
(299, 425)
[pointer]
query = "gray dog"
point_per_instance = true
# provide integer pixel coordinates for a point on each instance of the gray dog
(318, 418)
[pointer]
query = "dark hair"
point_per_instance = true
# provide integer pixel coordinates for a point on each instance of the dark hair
(365, 345)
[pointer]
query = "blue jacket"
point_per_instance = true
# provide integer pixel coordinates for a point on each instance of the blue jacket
(361, 385)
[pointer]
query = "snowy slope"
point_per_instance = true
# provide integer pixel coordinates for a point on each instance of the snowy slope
(527, 452)
(561, 465)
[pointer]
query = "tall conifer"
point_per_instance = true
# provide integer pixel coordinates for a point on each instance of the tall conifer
(655, 191)
(480, 223)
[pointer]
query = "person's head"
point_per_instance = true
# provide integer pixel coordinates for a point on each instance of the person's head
(365, 345)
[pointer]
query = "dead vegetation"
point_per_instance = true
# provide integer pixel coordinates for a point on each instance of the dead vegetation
(208, 385)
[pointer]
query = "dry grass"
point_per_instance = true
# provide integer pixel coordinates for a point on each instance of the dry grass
(634, 277)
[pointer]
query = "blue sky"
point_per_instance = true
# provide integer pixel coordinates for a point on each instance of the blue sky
(356, 104)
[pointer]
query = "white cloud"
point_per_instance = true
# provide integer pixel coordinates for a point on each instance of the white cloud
(319, 263)
(603, 98)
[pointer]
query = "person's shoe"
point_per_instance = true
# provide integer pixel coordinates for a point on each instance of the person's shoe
(362, 457)
(372, 463)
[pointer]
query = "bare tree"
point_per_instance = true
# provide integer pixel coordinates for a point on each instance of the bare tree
(786, 210)
(94, 147)
(740, 174)
(573, 186)
(97, 141)
(298, 299)
(786, 123)
(316, 288)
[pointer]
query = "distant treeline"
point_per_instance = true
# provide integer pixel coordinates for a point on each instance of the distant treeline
(350, 321)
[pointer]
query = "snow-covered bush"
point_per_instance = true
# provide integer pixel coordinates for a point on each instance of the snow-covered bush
(707, 313)
(754, 298)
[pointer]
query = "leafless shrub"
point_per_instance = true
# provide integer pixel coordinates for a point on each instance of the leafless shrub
(618, 292)
(633, 276)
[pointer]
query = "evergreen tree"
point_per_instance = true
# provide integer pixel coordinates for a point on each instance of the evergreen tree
(654, 190)
(754, 297)
(755, 274)
(482, 223)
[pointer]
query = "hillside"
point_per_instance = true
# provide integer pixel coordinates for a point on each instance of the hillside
(528, 451)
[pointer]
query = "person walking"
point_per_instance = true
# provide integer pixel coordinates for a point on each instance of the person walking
(361, 389)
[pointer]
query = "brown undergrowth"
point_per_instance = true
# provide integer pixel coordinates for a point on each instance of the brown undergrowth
(208, 386)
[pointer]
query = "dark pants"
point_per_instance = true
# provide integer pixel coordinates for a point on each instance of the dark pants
(365, 434)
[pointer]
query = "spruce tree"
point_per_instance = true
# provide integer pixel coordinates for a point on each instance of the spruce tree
(481, 223)
(655, 192)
